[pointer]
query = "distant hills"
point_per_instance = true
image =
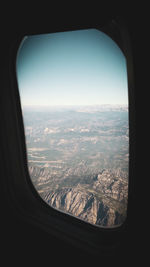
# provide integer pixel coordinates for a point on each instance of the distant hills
(85, 108)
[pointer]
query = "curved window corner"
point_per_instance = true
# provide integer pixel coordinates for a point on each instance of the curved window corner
(74, 95)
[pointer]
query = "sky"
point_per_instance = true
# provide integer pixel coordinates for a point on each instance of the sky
(83, 67)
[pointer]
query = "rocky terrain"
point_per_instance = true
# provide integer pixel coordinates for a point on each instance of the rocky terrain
(101, 201)
(78, 160)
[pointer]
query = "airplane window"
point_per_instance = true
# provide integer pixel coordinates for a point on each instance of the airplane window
(74, 97)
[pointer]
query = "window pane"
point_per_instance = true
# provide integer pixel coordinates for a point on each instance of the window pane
(74, 96)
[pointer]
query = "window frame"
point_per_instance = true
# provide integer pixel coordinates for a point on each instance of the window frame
(23, 196)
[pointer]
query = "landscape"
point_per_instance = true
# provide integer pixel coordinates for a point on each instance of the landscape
(78, 159)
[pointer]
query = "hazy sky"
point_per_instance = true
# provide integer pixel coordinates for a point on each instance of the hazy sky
(82, 67)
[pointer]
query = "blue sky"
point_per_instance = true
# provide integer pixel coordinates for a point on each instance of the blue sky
(83, 67)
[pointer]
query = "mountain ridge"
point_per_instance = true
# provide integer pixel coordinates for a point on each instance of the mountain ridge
(102, 202)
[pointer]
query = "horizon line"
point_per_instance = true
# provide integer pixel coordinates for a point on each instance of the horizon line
(74, 105)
